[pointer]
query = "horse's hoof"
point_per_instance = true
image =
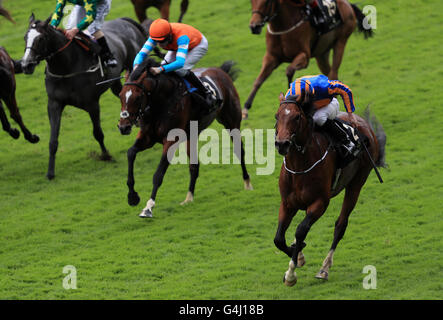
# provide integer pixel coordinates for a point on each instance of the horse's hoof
(244, 114)
(146, 213)
(50, 176)
(106, 157)
(189, 198)
(248, 185)
(133, 199)
(289, 283)
(14, 133)
(322, 274)
(34, 138)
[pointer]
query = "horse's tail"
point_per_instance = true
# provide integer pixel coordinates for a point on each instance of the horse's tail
(360, 22)
(380, 134)
(229, 68)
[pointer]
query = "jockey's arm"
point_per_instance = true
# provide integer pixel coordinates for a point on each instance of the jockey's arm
(91, 12)
(337, 87)
(144, 52)
(180, 57)
(58, 13)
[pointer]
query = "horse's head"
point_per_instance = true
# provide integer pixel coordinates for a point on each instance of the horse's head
(262, 12)
(38, 44)
(294, 118)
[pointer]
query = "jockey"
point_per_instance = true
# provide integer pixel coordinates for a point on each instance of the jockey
(88, 14)
(186, 46)
(321, 20)
(322, 92)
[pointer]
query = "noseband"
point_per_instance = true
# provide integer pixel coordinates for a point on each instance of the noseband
(141, 112)
(266, 16)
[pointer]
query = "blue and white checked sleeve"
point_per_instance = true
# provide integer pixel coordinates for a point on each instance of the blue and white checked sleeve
(180, 58)
(144, 52)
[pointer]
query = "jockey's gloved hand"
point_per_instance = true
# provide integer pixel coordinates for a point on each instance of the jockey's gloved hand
(156, 70)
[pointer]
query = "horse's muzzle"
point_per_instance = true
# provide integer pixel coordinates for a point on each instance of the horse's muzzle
(255, 28)
(283, 146)
(124, 129)
(28, 68)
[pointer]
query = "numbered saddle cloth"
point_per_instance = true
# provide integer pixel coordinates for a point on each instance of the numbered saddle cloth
(330, 11)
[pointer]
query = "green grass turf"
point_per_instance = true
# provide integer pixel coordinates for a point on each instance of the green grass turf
(221, 246)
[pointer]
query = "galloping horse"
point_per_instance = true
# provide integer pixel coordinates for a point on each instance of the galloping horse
(73, 71)
(162, 103)
(140, 7)
(291, 38)
(8, 68)
(310, 176)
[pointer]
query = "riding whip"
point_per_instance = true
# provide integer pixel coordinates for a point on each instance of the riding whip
(109, 80)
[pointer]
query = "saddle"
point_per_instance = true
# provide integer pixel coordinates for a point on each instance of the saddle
(87, 43)
(330, 13)
(212, 87)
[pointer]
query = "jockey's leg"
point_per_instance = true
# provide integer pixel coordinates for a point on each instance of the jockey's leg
(105, 53)
(95, 27)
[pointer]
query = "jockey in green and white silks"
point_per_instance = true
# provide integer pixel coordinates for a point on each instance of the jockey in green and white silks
(90, 15)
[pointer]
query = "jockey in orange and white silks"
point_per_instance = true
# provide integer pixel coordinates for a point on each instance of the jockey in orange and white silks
(322, 92)
(186, 46)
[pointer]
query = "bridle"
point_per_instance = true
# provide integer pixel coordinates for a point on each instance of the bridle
(293, 138)
(125, 114)
(267, 14)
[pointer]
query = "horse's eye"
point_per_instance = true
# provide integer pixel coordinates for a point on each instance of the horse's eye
(297, 117)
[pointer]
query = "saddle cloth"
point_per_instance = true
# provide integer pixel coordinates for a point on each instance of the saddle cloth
(330, 10)
(209, 84)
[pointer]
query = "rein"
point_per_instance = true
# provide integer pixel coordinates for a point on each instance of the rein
(313, 166)
(145, 93)
(278, 33)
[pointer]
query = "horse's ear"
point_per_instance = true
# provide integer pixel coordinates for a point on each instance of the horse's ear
(46, 23)
(281, 97)
(31, 18)
(127, 73)
(143, 75)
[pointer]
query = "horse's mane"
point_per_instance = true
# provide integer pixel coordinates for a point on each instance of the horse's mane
(144, 66)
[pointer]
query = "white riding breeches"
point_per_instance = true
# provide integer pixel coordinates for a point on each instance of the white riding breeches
(79, 12)
(192, 57)
(328, 112)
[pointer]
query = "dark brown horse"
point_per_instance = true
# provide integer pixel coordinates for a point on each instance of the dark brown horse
(160, 104)
(8, 68)
(140, 7)
(291, 38)
(310, 177)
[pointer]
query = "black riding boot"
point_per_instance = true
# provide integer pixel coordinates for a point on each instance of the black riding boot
(105, 54)
(321, 21)
(204, 92)
(337, 131)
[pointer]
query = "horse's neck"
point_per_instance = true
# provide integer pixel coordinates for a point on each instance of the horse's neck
(313, 150)
(286, 17)
(68, 59)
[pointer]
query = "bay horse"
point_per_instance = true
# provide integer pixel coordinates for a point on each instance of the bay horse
(159, 104)
(72, 72)
(8, 69)
(140, 7)
(310, 177)
(291, 38)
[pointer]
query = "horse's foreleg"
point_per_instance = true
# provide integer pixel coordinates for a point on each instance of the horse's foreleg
(301, 61)
(6, 125)
(183, 8)
(268, 65)
(323, 63)
(284, 220)
(157, 181)
(140, 10)
(94, 114)
(194, 169)
(15, 114)
(55, 110)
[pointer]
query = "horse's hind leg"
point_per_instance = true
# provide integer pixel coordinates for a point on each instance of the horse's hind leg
(6, 125)
(15, 114)
(351, 196)
(323, 63)
(94, 114)
(164, 9)
(194, 169)
(183, 8)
